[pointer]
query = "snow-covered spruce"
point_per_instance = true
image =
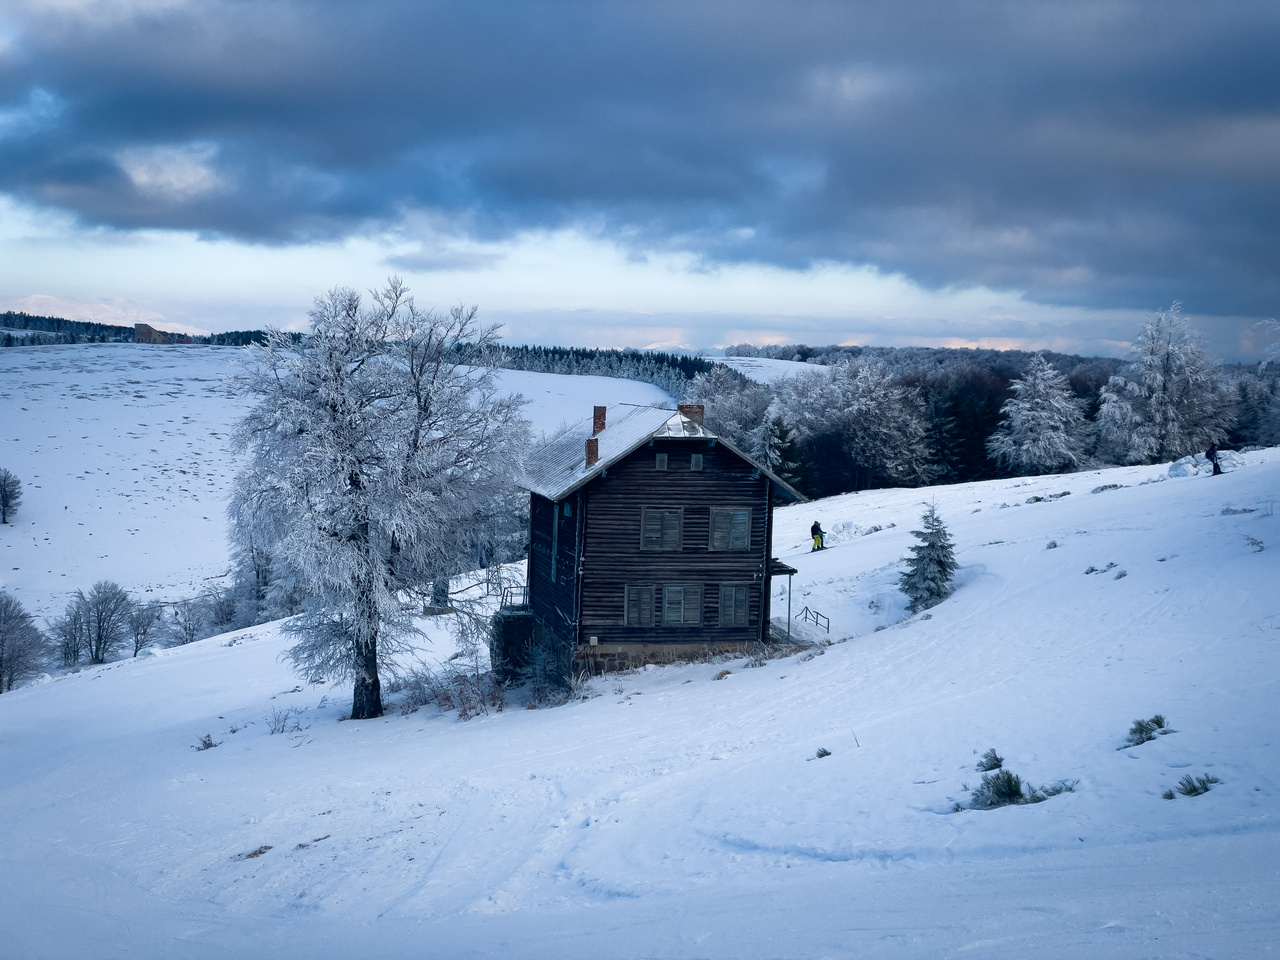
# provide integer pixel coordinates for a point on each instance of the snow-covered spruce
(376, 442)
(1171, 401)
(1043, 427)
(932, 564)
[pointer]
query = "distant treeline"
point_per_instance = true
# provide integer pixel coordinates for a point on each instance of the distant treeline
(57, 330)
(667, 371)
(49, 330)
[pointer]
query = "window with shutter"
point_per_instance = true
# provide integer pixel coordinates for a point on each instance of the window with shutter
(681, 604)
(639, 607)
(734, 605)
(731, 529)
(661, 529)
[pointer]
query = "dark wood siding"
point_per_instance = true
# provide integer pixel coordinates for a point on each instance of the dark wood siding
(613, 559)
(553, 576)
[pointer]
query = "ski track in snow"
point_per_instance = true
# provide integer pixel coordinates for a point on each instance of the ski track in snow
(672, 814)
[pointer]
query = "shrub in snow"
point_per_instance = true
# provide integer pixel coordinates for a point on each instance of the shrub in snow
(204, 743)
(1190, 786)
(1051, 545)
(1062, 786)
(10, 494)
(1144, 730)
(459, 685)
(1043, 429)
(822, 752)
(1000, 788)
(279, 721)
(931, 565)
(990, 761)
(1258, 545)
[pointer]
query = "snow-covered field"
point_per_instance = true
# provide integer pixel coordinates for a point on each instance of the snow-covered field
(765, 370)
(677, 815)
(122, 451)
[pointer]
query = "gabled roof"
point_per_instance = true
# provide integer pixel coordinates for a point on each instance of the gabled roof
(560, 468)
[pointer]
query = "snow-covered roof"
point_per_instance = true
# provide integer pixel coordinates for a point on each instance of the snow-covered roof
(560, 467)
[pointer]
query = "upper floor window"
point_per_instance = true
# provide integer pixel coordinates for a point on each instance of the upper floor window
(661, 528)
(695, 461)
(660, 461)
(730, 529)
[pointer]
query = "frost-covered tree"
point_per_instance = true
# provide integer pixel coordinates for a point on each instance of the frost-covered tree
(373, 443)
(70, 632)
(22, 646)
(1043, 426)
(10, 494)
(106, 615)
(878, 424)
(1171, 400)
(736, 408)
(931, 565)
(143, 623)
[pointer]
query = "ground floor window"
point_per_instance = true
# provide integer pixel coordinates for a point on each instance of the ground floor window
(639, 606)
(681, 603)
(735, 604)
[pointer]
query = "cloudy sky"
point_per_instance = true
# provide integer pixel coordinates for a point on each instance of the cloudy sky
(655, 173)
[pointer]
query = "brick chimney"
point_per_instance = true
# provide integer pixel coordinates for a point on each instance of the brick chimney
(694, 411)
(593, 449)
(597, 421)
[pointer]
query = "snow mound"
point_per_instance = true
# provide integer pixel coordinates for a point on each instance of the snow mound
(1198, 464)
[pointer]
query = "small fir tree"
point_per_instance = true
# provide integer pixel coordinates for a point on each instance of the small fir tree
(782, 452)
(931, 565)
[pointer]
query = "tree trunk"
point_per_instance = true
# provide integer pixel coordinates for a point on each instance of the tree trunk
(366, 698)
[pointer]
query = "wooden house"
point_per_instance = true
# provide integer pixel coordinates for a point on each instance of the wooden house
(650, 539)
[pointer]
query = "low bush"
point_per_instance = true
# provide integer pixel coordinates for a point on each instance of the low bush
(1145, 730)
(1000, 788)
(990, 761)
(280, 720)
(1190, 786)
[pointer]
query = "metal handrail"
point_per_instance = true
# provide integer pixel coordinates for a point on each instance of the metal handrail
(515, 596)
(814, 617)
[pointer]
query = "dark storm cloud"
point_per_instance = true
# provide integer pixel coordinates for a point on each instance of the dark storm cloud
(1105, 154)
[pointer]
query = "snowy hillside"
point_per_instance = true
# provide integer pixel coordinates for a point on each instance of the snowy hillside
(675, 814)
(123, 455)
(766, 370)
